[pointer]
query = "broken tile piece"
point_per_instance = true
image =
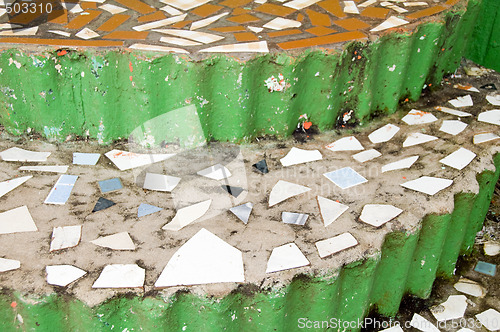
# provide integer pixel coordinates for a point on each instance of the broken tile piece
(283, 190)
(235, 191)
(87, 33)
(484, 137)
(349, 143)
(470, 287)
(9, 264)
(261, 166)
(383, 134)
(102, 204)
(145, 209)
(400, 164)
(395, 328)
(51, 168)
(216, 172)
(65, 237)
(491, 248)
(89, 159)
(300, 4)
(113, 9)
(378, 214)
(415, 117)
(335, 244)
(300, 156)
(350, 7)
(126, 160)
(201, 37)
(490, 319)
(18, 154)
(486, 268)
(364, 156)
(121, 276)
(187, 215)
(61, 191)
(422, 324)
(9, 185)
(109, 185)
(280, 23)
(391, 22)
(118, 241)
(286, 257)
(160, 182)
(466, 87)
(206, 21)
(345, 178)
(242, 211)
(453, 127)
(203, 259)
(459, 159)
(178, 41)
(294, 218)
(492, 116)
(60, 33)
(17, 220)
(63, 275)
(452, 111)
(418, 138)
(453, 308)
(160, 23)
(493, 100)
(330, 210)
(463, 101)
(157, 48)
(428, 185)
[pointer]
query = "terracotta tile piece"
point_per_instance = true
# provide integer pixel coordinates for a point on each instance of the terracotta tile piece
(320, 31)
(61, 42)
(137, 5)
(127, 35)
(82, 20)
(426, 12)
(88, 5)
(451, 2)
(375, 12)
(114, 22)
(351, 24)
(240, 11)
(181, 24)
(234, 3)
(272, 9)
(242, 19)
(318, 18)
(245, 37)
(151, 17)
(284, 33)
(206, 10)
(333, 7)
(235, 28)
(300, 17)
(58, 16)
(324, 40)
(25, 18)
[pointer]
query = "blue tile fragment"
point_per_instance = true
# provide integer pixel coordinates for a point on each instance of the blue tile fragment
(145, 209)
(61, 191)
(486, 268)
(345, 177)
(85, 158)
(102, 203)
(110, 185)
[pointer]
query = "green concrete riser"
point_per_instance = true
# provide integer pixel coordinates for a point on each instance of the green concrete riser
(407, 264)
(107, 93)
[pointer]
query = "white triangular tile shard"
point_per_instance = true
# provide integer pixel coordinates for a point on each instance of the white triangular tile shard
(416, 117)
(160, 182)
(417, 138)
(452, 127)
(350, 7)
(50, 169)
(453, 308)
(299, 4)
(378, 214)
(484, 137)
(18, 154)
(9, 185)
(452, 111)
(203, 259)
(252, 47)
(65, 237)
(159, 23)
(283, 190)
(383, 134)
(200, 37)
(121, 276)
(286, 257)
(335, 244)
(242, 211)
(330, 210)
(490, 319)
(366, 155)
(87, 33)
(215, 172)
(428, 185)
(280, 23)
(9, 264)
(400, 164)
(391, 22)
(470, 287)
(349, 143)
(157, 48)
(493, 100)
(17, 220)
(300, 156)
(118, 241)
(63, 275)
(459, 159)
(206, 21)
(492, 116)
(422, 324)
(469, 88)
(187, 215)
(125, 160)
(464, 101)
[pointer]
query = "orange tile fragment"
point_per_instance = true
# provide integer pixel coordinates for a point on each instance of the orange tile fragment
(272, 9)
(242, 19)
(320, 31)
(156, 16)
(300, 17)
(25, 18)
(451, 2)
(114, 22)
(245, 37)
(235, 28)
(234, 3)
(281, 33)
(137, 5)
(206, 10)
(127, 35)
(181, 24)
(333, 7)
(324, 40)
(60, 42)
(318, 18)
(240, 11)
(375, 12)
(351, 24)
(82, 20)
(426, 12)
(88, 5)
(58, 16)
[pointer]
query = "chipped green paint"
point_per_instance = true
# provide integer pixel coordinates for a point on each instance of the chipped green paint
(107, 94)
(408, 263)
